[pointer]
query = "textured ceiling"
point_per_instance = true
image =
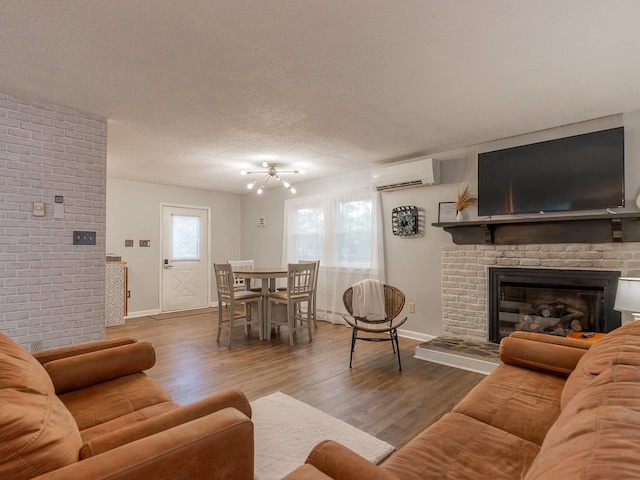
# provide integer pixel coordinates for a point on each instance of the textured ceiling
(195, 90)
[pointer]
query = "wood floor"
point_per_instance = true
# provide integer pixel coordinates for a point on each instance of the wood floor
(373, 396)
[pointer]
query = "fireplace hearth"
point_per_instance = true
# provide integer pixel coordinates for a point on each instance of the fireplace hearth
(551, 301)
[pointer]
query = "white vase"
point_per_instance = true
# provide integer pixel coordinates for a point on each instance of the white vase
(459, 217)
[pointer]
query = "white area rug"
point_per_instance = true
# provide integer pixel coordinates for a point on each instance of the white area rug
(285, 431)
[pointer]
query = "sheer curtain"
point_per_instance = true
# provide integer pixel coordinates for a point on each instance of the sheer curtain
(344, 231)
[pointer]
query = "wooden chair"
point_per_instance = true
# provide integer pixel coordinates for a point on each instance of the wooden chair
(228, 294)
(300, 284)
(314, 293)
(239, 283)
(315, 290)
(373, 329)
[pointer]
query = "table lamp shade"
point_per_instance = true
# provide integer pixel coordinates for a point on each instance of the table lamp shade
(628, 295)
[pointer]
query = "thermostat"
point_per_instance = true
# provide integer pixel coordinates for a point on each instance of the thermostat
(38, 209)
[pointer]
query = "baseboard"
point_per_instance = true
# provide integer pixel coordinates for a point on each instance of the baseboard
(143, 313)
(457, 361)
(422, 337)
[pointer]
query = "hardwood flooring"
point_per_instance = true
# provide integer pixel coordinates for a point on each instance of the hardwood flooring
(373, 396)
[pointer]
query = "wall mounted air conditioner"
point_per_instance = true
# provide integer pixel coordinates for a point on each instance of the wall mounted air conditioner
(417, 173)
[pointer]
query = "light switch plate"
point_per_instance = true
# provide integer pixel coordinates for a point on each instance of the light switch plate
(145, 243)
(84, 238)
(128, 243)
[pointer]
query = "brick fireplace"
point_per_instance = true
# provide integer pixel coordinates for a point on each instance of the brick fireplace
(465, 275)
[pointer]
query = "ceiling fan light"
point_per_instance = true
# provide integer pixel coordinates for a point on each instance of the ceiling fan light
(293, 190)
(250, 186)
(300, 171)
(243, 172)
(265, 164)
(286, 184)
(259, 192)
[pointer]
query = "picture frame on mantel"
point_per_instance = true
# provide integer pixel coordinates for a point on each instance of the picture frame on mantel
(446, 212)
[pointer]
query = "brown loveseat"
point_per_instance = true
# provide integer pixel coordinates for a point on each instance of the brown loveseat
(554, 409)
(90, 412)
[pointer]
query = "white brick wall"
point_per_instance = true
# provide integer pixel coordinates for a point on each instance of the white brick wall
(51, 290)
(465, 274)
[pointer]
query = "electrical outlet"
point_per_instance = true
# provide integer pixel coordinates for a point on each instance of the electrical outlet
(128, 243)
(128, 293)
(412, 308)
(84, 238)
(35, 346)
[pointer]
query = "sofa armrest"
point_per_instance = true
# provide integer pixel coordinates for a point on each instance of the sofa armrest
(307, 472)
(86, 369)
(219, 445)
(546, 353)
(65, 352)
(229, 398)
(553, 339)
(340, 463)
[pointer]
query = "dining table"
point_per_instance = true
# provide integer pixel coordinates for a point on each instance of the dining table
(268, 275)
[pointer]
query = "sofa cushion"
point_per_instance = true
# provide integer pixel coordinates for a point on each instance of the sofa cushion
(598, 433)
(460, 447)
(37, 433)
(20, 370)
(517, 400)
(110, 400)
(622, 342)
(127, 420)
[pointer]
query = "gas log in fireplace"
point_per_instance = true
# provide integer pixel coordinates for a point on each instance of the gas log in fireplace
(556, 302)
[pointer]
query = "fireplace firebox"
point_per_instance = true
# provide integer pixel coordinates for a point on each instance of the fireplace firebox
(555, 302)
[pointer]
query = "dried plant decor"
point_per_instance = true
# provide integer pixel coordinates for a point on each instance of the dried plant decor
(465, 199)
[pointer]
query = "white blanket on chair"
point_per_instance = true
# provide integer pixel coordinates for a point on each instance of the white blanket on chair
(368, 300)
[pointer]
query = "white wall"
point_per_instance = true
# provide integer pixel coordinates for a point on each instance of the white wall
(52, 290)
(413, 264)
(133, 212)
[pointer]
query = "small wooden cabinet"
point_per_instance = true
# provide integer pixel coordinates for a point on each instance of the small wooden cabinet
(116, 286)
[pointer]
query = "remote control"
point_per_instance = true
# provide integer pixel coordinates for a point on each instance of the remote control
(588, 335)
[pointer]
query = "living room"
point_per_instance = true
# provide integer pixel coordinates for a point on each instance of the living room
(54, 291)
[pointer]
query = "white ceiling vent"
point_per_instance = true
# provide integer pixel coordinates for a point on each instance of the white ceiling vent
(417, 173)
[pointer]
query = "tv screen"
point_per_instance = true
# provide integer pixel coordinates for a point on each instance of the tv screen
(584, 172)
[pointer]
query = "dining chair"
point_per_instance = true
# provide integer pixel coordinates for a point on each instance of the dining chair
(228, 294)
(314, 293)
(385, 330)
(300, 283)
(239, 283)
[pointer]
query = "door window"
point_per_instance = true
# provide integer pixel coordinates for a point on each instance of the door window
(185, 238)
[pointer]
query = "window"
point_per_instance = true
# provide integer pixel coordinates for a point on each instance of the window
(309, 228)
(185, 238)
(343, 231)
(355, 224)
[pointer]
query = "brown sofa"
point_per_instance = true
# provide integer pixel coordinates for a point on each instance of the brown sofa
(554, 409)
(90, 412)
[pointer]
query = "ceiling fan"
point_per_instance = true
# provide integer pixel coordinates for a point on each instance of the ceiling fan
(271, 171)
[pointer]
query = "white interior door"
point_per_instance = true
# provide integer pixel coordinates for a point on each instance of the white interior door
(185, 258)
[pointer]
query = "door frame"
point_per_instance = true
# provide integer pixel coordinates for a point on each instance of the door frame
(161, 249)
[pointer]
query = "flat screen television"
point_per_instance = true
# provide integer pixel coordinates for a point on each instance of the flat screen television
(583, 172)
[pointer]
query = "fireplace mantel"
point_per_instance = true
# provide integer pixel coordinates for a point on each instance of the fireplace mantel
(600, 228)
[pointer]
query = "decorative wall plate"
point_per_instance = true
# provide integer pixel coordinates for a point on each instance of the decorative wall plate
(404, 221)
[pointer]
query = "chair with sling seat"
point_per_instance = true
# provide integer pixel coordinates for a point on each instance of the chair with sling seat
(385, 330)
